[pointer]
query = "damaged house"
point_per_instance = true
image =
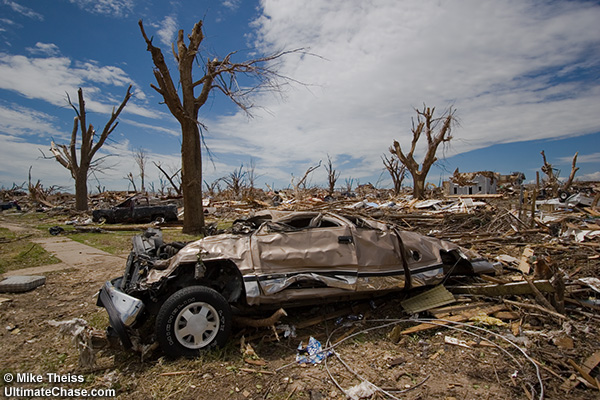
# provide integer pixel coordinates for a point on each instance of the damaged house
(481, 182)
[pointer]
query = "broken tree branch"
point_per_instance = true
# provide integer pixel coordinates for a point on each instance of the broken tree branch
(535, 307)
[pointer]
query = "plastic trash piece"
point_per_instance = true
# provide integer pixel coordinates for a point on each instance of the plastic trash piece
(363, 390)
(313, 353)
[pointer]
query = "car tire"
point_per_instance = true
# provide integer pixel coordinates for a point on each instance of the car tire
(192, 320)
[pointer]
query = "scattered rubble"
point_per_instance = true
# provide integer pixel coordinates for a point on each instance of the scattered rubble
(540, 313)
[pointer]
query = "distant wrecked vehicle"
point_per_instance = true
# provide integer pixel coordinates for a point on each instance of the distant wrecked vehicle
(182, 295)
(131, 211)
(7, 205)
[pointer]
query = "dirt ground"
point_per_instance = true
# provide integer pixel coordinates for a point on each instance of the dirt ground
(419, 366)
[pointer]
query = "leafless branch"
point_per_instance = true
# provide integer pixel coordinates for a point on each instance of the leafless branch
(332, 175)
(170, 177)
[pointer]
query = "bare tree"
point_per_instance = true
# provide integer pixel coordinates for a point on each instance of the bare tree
(141, 158)
(574, 170)
(397, 171)
(236, 182)
(552, 174)
(214, 187)
(174, 178)
(332, 175)
(348, 182)
(81, 166)
(131, 180)
(218, 74)
(427, 123)
(162, 190)
(551, 182)
(251, 178)
(302, 181)
(99, 187)
(36, 191)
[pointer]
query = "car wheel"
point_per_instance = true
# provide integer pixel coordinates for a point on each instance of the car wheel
(563, 196)
(191, 320)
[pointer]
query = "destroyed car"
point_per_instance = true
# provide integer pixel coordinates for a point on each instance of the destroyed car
(182, 296)
(137, 214)
(8, 205)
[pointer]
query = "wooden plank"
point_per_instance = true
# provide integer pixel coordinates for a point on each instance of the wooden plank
(455, 318)
(524, 263)
(443, 312)
(513, 288)
(585, 374)
(493, 279)
(588, 365)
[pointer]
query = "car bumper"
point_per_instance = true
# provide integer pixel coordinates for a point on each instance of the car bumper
(123, 309)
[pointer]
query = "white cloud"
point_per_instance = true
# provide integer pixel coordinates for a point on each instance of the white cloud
(232, 4)
(18, 155)
(109, 75)
(27, 12)
(46, 49)
(595, 176)
(7, 21)
(172, 132)
(582, 158)
(117, 8)
(167, 30)
(16, 120)
(51, 78)
(122, 155)
(502, 64)
(42, 78)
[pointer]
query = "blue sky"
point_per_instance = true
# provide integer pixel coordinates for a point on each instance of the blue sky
(523, 76)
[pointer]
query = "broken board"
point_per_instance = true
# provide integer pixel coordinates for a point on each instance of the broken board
(436, 297)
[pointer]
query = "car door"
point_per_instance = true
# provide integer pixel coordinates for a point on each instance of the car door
(380, 262)
(309, 250)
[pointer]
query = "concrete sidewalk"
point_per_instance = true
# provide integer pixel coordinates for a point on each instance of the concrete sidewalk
(72, 255)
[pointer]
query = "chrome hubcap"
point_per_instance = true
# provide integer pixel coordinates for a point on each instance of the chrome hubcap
(197, 325)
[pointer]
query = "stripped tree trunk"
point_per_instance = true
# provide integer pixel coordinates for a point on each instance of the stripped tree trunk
(67, 155)
(184, 105)
(428, 124)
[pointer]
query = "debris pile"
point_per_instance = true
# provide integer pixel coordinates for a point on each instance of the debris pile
(537, 321)
(541, 311)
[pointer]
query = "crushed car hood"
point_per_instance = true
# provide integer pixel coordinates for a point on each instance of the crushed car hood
(226, 246)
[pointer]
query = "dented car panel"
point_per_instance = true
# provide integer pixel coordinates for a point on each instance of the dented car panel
(289, 257)
(227, 246)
